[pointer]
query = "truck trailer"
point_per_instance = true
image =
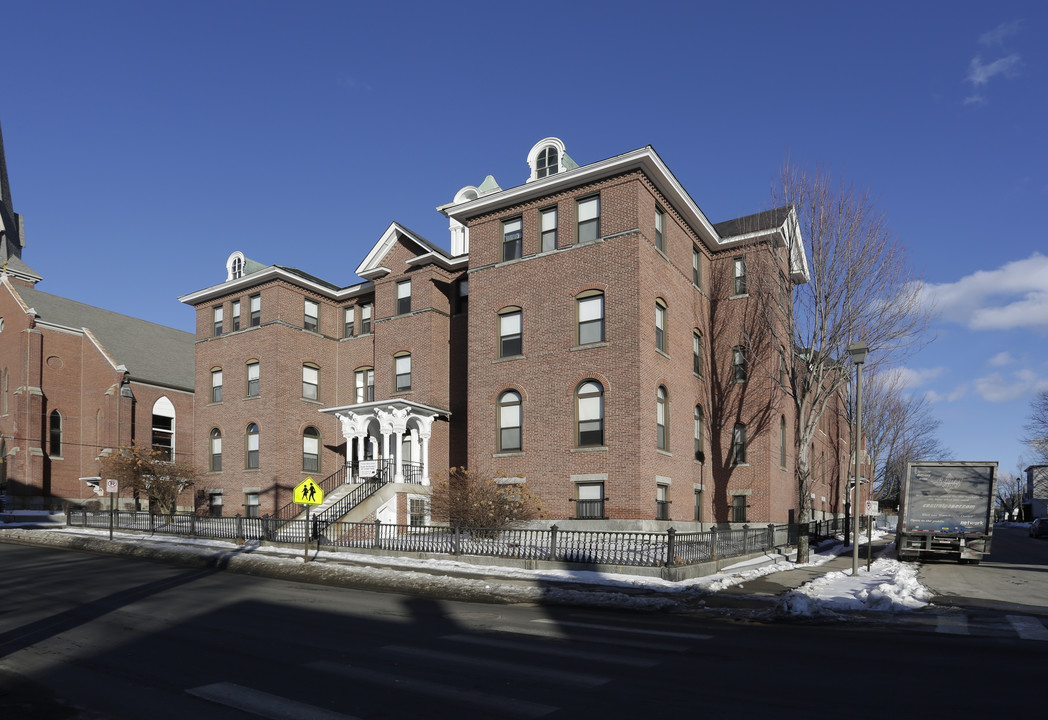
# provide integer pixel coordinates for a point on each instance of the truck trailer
(946, 510)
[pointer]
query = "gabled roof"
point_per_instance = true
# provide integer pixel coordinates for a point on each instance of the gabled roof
(372, 265)
(756, 223)
(151, 353)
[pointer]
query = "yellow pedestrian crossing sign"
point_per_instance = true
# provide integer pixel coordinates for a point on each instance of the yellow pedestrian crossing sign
(308, 492)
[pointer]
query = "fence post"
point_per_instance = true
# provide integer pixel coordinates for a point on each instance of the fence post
(552, 542)
(713, 542)
(376, 543)
(152, 522)
(239, 527)
(770, 543)
(192, 524)
(458, 537)
(671, 547)
(745, 539)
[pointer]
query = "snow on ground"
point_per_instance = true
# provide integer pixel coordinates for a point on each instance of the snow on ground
(889, 586)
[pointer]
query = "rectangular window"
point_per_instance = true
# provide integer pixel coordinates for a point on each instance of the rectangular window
(660, 234)
(235, 316)
(365, 385)
(311, 320)
(662, 502)
(216, 319)
(365, 319)
(403, 372)
(698, 506)
(740, 276)
(738, 444)
(403, 297)
(589, 505)
(251, 504)
(463, 295)
(512, 233)
(696, 266)
(548, 228)
(252, 379)
(738, 364)
(589, 219)
(350, 315)
(510, 343)
(214, 503)
(417, 512)
(696, 353)
(255, 307)
(310, 382)
(216, 386)
(738, 508)
(591, 319)
(660, 326)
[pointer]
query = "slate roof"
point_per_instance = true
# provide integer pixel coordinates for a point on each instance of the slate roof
(767, 220)
(151, 353)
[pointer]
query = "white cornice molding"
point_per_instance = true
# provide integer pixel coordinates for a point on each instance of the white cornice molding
(267, 275)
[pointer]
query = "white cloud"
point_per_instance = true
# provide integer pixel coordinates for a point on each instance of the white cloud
(1002, 358)
(952, 396)
(999, 33)
(911, 378)
(1012, 296)
(979, 73)
(1022, 384)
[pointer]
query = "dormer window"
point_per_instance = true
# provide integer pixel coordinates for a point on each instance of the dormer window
(235, 266)
(237, 270)
(547, 162)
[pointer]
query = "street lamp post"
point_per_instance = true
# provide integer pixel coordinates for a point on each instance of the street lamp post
(857, 351)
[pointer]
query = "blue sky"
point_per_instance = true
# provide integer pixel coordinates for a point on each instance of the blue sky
(147, 141)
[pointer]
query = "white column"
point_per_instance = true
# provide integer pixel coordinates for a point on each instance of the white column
(398, 473)
(424, 432)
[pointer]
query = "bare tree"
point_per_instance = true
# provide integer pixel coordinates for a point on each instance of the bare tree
(464, 498)
(898, 429)
(1037, 426)
(1010, 495)
(149, 472)
(860, 287)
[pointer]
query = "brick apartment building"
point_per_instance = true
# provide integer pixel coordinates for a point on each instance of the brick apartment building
(591, 335)
(77, 381)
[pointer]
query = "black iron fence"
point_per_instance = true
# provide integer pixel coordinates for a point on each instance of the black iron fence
(639, 549)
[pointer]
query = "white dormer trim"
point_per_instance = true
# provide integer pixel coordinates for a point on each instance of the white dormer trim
(533, 156)
(235, 266)
(373, 265)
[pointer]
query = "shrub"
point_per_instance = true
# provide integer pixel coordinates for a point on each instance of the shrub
(463, 498)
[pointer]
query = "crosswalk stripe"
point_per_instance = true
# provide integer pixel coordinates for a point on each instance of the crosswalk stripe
(263, 704)
(501, 705)
(615, 628)
(561, 677)
(1028, 628)
(517, 646)
(953, 624)
(596, 639)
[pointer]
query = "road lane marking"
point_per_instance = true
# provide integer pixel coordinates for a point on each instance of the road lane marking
(953, 624)
(519, 646)
(263, 704)
(561, 677)
(615, 628)
(594, 639)
(1028, 628)
(502, 706)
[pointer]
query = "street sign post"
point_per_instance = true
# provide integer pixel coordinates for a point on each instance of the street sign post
(308, 493)
(871, 510)
(112, 487)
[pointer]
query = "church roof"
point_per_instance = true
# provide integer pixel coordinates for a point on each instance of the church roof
(152, 353)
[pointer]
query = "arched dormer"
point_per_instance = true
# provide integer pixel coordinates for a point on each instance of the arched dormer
(235, 266)
(548, 157)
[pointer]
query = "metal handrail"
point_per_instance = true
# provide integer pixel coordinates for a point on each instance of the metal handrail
(332, 481)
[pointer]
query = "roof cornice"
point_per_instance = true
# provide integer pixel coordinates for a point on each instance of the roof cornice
(272, 273)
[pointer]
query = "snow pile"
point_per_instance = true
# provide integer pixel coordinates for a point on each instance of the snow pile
(889, 586)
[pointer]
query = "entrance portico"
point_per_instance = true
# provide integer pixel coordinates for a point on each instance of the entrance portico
(390, 430)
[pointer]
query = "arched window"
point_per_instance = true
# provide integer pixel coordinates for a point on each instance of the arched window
(215, 450)
(547, 162)
(310, 382)
(164, 429)
(251, 459)
(510, 327)
(661, 418)
(738, 444)
(700, 434)
(237, 268)
(402, 371)
(589, 409)
(590, 310)
(660, 325)
(782, 441)
(311, 450)
(54, 427)
(510, 422)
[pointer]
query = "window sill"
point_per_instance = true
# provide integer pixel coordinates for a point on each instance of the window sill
(508, 358)
(400, 393)
(740, 465)
(252, 470)
(588, 346)
(662, 252)
(660, 451)
(311, 400)
(214, 403)
(663, 353)
(736, 297)
(595, 448)
(699, 376)
(511, 453)
(252, 397)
